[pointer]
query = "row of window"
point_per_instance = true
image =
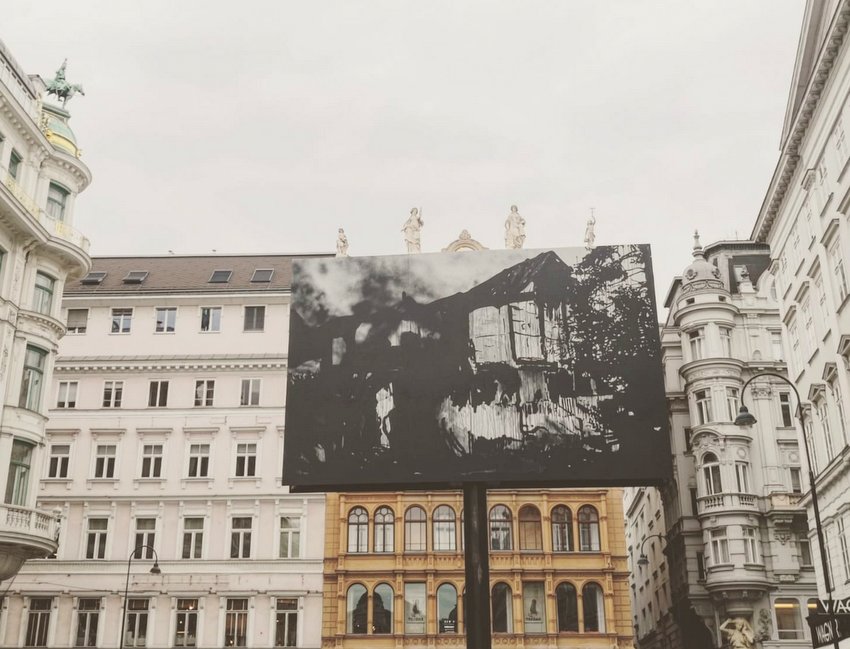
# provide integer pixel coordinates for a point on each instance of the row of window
(382, 619)
(113, 393)
(718, 545)
(254, 319)
(150, 463)
(192, 540)
(89, 611)
(444, 529)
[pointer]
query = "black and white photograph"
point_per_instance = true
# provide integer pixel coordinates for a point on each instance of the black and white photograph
(509, 367)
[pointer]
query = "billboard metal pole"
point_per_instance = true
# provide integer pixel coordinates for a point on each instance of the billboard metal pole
(477, 563)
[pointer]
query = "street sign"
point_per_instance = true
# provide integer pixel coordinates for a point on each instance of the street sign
(827, 629)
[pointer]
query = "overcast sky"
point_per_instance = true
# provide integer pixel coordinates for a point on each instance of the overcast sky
(264, 126)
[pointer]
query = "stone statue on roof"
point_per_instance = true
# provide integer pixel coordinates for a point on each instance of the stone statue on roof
(413, 231)
(589, 234)
(341, 244)
(61, 88)
(514, 229)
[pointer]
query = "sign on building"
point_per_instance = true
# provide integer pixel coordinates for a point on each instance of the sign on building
(514, 367)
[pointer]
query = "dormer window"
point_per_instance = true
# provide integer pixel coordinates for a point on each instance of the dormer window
(220, 276)
(136, 277)
(94, 277)
(262, 275)
(57, 198)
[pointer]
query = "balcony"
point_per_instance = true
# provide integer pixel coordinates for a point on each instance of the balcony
(25, 534)
(55, 229)
(717, 503)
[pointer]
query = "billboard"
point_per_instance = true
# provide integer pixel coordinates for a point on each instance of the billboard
(525, 368)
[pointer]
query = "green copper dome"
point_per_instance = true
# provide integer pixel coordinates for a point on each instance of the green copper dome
(54, 125)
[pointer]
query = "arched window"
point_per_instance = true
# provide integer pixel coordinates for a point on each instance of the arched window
(382, 609)
(789, 625)
(415, 531)
(356, 609)
(500, 528)
(567, 607)
(530, 534)
(711, 474)
(384, 530)
(562, 529)
(358, 530)
(445, 533)
(588, 529)
(447, 609)
(502, 603)
(594, 608)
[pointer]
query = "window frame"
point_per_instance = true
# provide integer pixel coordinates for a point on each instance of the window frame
(151, 461)
(500, 529)
(97, 538)
(189, 614)
(444, 529)
(384, 530)
(239, 618)
(589, 532)
(62, 202)
(206, 398)
(212, 321)
(105, 469)
(43, 294)
(194, 536)
(530, 529)
(562, 530)
(419, 526)
(158, 393)
(255, 326)
(161, 326)
(241, 546)
(289, 538)
(62, 462)
(122, 321)
(113, 394)
(250, 397)
(66, 401)
(32, 378)
(88, 620)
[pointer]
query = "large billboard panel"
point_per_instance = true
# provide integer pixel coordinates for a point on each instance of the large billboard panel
(512, 368)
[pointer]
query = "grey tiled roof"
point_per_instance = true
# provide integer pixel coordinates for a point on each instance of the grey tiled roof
(187, 274)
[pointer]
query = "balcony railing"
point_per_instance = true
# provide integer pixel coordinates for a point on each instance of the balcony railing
(718, 502)
(54, 227)
(32, 522)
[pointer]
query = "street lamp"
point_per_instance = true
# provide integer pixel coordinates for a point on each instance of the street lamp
(154, 571)
(643, 560)
(745, 420)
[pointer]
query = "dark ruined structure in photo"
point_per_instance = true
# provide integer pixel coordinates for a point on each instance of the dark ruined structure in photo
(542, 372)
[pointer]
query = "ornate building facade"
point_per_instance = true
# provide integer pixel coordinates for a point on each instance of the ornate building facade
(804, 219)
(394, 569)
(164, 444)
(40, 176)
(730, 552)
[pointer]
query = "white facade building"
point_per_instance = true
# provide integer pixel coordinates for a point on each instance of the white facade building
(40, 175)
(804, 219)
(166, 430)
(735, 543)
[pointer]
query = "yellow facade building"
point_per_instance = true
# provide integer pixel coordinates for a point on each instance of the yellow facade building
(394, 569)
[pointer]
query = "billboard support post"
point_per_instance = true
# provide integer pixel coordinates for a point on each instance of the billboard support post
(477, 564)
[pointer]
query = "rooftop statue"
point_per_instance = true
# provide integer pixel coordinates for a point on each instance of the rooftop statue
(412, 231)
(589, 234)
(514, 229)
(341, 244)
(61, 88)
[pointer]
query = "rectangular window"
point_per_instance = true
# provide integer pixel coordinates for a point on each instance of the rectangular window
(145, 535)
(186, 623)
(17, 482)
(199, 460)
(104, 461)
(826, 429)
(262, 275)
(842, 546)
(57, 199)
(290, 537)
(414, 608)
(701, 566)
(250, 392)
(805, 549)
(113, 391)
(246, 460)
(204, 392)
(122, 320)
(742, 476)
(697, 344)
(33, 378)
(796, 480)
(751, 545)
(78, 320)
(38, 621)
(158, 394)
(152, 461)
(726, 341)
(732, 403)
(88, 614)
(534, 607)
(255, 318)
(42, 301)
(837, 262)
(240, 537)
(60, 457)
(96, 538)
(704, 410)
(776, 346)
(166, 320)
(789, 624)
(286, 622)
(67, 397)
(719, 546)
(236, 623)
(136, 629)
(15, 160)
(210, 318)
(785, 413)
(193, 538)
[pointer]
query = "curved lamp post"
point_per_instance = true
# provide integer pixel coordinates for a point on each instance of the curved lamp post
(745, 420)
(643, 560)
(154, 571)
